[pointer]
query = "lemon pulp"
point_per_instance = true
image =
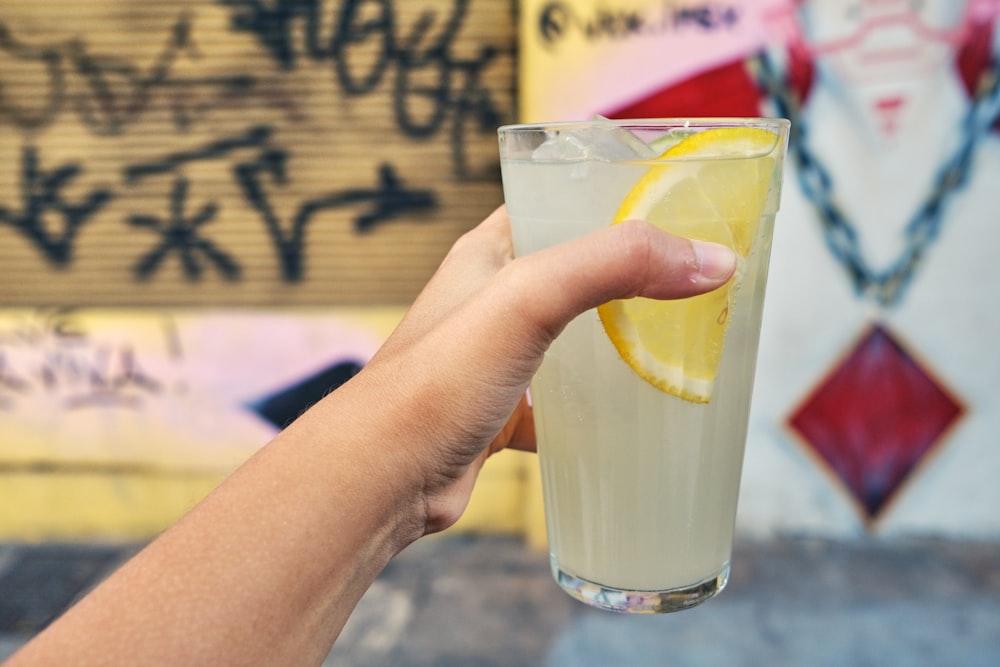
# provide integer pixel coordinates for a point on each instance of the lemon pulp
(714, 187)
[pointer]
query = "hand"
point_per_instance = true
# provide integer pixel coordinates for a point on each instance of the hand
(268, 567)
(456, 369)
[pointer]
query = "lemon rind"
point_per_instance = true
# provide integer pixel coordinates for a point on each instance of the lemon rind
(656, 183)
(671, 379)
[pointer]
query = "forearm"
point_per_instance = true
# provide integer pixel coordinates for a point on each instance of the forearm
(266, 569)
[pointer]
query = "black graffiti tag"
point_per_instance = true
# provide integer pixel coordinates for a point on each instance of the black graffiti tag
(180, 233)
(112, 93)
(41, 194)
(388, 200)
(430, 85)
(48, 63)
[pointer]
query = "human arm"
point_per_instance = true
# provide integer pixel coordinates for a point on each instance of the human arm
(268, 567)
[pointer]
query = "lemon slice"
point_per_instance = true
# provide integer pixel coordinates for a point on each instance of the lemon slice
(705, 194)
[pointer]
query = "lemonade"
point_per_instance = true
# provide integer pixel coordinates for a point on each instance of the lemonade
(641, 419)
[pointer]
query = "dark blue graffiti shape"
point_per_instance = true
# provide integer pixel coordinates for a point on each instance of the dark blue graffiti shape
(283, 406)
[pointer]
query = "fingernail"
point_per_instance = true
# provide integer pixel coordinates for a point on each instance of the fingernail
(714, 261)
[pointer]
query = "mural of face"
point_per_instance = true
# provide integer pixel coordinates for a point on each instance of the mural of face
(883, 55)
(895, 162)
(865, 42)
(887, 235)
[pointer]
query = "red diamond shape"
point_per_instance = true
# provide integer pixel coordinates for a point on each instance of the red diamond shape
(875, 417)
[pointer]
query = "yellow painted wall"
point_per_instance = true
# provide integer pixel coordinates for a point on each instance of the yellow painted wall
(379, 143)
(65, 505)
(126, 466)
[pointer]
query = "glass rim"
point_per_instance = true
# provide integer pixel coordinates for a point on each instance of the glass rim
(775, 123)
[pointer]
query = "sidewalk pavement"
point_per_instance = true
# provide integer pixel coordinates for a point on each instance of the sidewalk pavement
(488, 601)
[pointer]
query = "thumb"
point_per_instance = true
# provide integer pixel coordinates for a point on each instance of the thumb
(621, 261)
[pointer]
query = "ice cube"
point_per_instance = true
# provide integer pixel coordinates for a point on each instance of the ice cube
(560, 145)
(608, 143)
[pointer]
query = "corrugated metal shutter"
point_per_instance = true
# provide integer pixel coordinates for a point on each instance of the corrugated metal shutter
(244, 152)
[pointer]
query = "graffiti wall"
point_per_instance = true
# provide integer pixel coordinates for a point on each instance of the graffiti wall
(211, 213)
(244, 152)
(877, 403)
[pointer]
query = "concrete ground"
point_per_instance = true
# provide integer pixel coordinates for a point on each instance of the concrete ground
(488, 601)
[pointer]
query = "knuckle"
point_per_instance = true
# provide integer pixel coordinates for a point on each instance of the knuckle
(637, 241)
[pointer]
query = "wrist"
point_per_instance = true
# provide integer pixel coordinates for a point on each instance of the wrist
(368, 463)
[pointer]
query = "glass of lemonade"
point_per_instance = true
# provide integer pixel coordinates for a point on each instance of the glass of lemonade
(641, 406)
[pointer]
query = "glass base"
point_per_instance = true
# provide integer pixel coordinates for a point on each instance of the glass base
(639, 602)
